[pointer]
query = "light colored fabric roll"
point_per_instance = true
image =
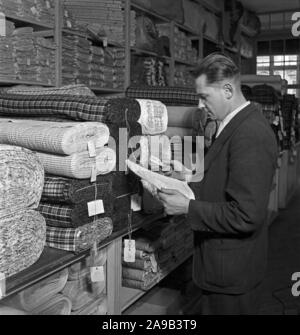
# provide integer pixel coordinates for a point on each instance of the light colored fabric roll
(79, 165)
(63, 138)
(22, 240)
(181, 116)
(39, 293)
(57, 305)
(154, 117)
(21, 179)
(137, 274)
(96, 307)
(6, 310)
(178, 131)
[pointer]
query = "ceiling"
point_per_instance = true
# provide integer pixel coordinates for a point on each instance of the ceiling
(263, 6)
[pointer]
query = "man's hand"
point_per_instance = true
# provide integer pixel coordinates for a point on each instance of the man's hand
(174, 202)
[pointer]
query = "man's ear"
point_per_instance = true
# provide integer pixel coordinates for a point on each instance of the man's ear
(228, 90)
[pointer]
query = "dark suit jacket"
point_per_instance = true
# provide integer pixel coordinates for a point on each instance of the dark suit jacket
(228, 216)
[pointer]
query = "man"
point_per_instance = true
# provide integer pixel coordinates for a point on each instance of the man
(229, 214)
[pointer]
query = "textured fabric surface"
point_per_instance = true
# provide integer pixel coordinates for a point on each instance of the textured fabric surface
(96, 307)
(181, 116)
(61, 190)
(63, 138)
(57, 305)
(39, 293)
(264, 94)
(136, 274)
(22, 240)
(21, 179)
(140, 285)
(172, 96)
(81, 238)
(6, 310)
(79, 165)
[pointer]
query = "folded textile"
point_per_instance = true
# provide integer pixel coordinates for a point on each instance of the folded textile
(64, 138)
(181, 116)
(79, 165)
(172, 96)
(6, 310)
(80, 238)
(81, 269)
(61, 190)
(77, 89)
(140, 285)
(141, 254)
(39, 293)
(145, 276)
(82, 292)
(96, 307)
(141, 264)
(57, 305)
(21, 179)
(22, 240)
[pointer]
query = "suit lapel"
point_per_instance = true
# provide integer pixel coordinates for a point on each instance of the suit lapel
(226, 134)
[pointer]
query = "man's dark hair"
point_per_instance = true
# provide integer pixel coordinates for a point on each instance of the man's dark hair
(217, 67)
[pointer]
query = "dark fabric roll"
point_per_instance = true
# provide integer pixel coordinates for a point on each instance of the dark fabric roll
(264, 94)
(74, 191)
(172, 96)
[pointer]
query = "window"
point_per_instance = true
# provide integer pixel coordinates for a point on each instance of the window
(287, 66)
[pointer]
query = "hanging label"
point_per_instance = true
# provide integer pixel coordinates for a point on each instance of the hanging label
(2, 285)
(28, 62)
(136, 202)
(97, 274)
(2, 25)
(48, 4)
(129, 251)
(105, 42)
(94, 174)
(153, 263)
(69, 24)
(91, 149)
(95, 207)
(34, 10)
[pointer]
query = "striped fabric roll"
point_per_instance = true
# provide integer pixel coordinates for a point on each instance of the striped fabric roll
(62, 138)
(80, 238)
(79, 165)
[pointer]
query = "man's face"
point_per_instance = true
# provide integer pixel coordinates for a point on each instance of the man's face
(213, 97)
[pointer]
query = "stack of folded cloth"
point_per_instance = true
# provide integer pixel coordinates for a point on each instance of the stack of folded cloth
(75, 60)
(88, 297)
(43, 298)
(10, 7)
(22, 229)
(34, 56)
(7, 69)
(96, 62)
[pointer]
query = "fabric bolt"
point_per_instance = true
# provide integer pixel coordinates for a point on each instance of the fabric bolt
(61, 190)
(6, 310)
(96, 307)
(80, 238)
(140, 264)
(39, 293)
(21, 179)
(142, 255)
(57, 305)
(79, 165)
(140, 285)
(179, 131)
(145, 276)
(53, 137)
(22, 240)
(264, 94)
(81, 269)
(181, 116)
(170, 96)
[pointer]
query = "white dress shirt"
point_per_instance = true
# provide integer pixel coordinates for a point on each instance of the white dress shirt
(228, 117)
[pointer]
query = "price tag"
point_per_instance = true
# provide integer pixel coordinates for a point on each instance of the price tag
(97, 274)
(94, 173)
(28, 62)
(136, 202)
(105, 42)
(2, 25)
(69, 24)
(48, 4)
(91, 149)
(2, 285)
(95, 207)
(153, 263)
(129, 251)
(34, 10)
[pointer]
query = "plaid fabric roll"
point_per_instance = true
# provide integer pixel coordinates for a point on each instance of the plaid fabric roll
(172, 96)
(74, 191)
(81, 238)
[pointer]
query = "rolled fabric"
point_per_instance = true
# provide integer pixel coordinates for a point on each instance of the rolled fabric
(145, 276)
(141, 264)
(171, 96)
(179, 131)
(6, 310)
(96, 307)
(181, 116)
(79, 165)
(82, 292)
(62, 138)
(73, 191)
(57, 305)
(141, 254)
(140, 285)
(21, 179)
(39, 293)
(80, 238)
(22, 240)
(81, 269)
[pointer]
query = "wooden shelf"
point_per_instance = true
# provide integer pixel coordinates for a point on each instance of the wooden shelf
(208, 38)
(19, 21)
(9, 82)
(149, 53)
(149, 12)
(185, 62)
(53, 260)
(107, 90)
(247, 31)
